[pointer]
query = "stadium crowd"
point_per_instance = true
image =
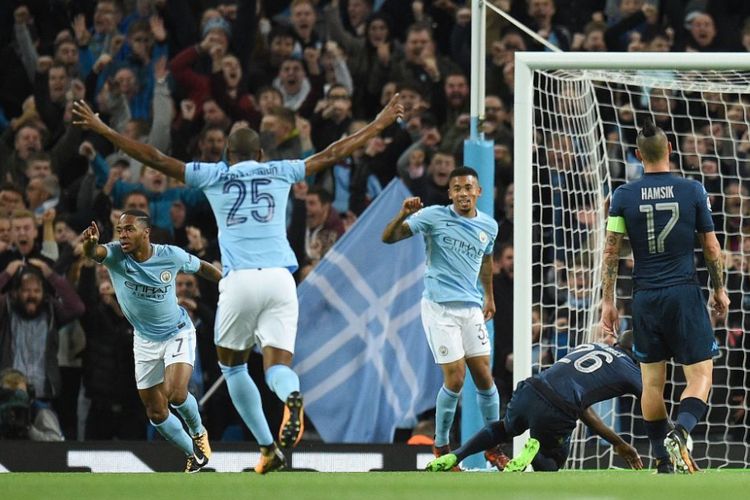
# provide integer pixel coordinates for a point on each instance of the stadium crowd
(181, 74)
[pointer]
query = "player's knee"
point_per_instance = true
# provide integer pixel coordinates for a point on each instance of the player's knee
(454, 381)
(177, 395)
(157, 414)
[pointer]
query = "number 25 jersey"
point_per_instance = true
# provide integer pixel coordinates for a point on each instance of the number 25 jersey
(249, 202)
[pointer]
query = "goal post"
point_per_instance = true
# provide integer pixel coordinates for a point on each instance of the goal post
(575, 119)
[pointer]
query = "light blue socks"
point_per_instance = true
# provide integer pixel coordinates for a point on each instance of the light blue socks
(246, 399)
(173, 432)
(189, 412)
(489, 404)
(282, 380)
(447, 401)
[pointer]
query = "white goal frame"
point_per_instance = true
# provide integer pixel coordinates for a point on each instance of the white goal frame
(525, 64)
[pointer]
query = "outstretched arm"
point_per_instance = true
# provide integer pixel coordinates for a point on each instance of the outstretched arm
(209, 272)
(148, 155)
(91, 247)
(346, 146)
(627, 452)
(610, 264)
(397, 229)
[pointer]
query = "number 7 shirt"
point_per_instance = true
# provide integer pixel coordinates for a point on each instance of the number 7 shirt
(660, 212)
(249, 202)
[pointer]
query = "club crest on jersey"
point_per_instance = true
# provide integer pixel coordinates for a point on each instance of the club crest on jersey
(442, 350)
(482, 236)
(165, 276)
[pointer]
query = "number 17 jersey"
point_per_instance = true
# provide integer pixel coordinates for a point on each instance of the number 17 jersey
(249, 202)
(661, 213)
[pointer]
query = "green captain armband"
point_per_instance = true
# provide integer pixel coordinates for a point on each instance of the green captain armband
(616, 224)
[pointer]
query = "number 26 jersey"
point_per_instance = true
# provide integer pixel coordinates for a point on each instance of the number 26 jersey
(249, 201)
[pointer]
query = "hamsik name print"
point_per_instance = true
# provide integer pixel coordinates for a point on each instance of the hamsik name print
(657, 193)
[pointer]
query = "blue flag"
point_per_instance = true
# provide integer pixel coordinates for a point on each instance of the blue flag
(361, 353)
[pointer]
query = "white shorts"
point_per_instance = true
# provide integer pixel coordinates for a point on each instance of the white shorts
(257, 306)
(152, 357)
(454, 332)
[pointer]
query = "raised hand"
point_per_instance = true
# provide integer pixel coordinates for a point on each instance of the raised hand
(392, 111)
(91, 234)
(85, 118)
(157, 28)
(79, 29)
(42, 266)
(411, 205)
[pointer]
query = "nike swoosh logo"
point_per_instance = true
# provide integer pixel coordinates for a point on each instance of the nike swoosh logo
(175, 355)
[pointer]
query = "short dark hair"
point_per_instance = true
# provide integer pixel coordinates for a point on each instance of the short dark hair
(462, 172)
(244, 144)
(140, 216)
(322, 193)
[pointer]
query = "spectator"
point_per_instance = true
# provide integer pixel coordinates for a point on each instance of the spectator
(279, 136)
(300, 91)
(108, 377)
(432, 187)
(312, 213)
(29, 320)
(24, 235)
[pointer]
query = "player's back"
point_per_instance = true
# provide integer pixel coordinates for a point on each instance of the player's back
(589, 374)
(662, 212)
(249, 201)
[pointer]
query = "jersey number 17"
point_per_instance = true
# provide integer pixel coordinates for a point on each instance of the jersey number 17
(656, 243)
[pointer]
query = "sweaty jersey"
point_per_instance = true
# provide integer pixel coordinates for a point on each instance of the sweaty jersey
(589, 374)
(146, 290)
(455, 246)
(249, 202)
(661, 213)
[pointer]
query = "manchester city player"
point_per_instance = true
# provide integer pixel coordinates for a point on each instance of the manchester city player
(257, 295)
(661, 213)
(143, 275)
(458, 297)
(550, 403)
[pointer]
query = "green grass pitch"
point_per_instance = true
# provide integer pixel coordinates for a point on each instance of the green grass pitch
(376, 486)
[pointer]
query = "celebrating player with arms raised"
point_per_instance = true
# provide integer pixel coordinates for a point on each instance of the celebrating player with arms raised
(257, 296)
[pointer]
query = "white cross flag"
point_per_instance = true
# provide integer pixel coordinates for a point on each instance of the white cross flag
(361, 354)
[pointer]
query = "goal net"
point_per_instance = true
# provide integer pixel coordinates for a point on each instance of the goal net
(585, 125)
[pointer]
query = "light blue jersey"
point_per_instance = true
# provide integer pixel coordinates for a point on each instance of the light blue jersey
(146, 291)
(249, 202)
(455, 246)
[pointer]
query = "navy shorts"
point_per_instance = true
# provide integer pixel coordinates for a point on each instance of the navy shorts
(549, 425)
(672, 323)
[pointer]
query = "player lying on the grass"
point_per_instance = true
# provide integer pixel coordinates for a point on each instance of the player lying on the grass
(143, 275)
(550, 403)
(663, 214)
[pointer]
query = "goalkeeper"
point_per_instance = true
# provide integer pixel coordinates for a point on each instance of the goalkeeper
(550, 403)
(661, 214)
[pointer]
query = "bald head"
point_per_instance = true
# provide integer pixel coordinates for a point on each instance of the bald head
(652, 143)
(243, 145)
